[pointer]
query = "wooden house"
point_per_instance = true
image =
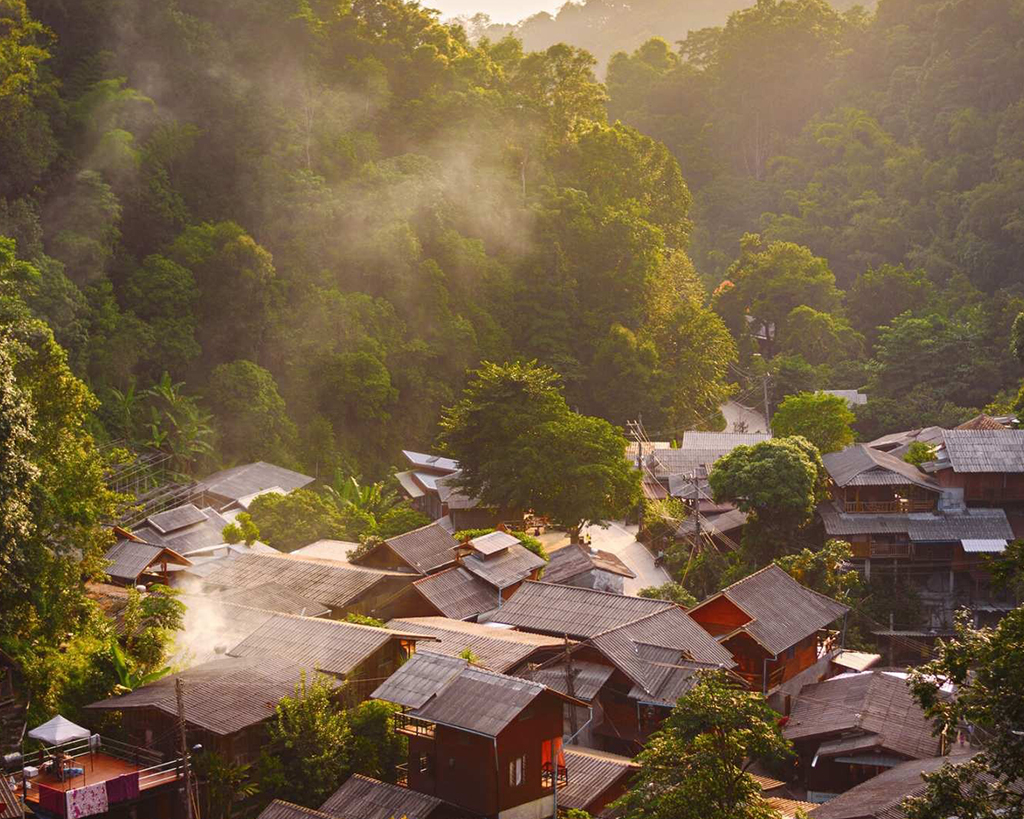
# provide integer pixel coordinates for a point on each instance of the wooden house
(773, 627)
(485, 742)
(986, 466)
(851, 728)
(424, 551)
(577, 565)
(132, 562)
(432, 486)
(595, 780)
(235, 488)
(361, 797)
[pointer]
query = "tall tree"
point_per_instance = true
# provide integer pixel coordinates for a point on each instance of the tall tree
(821, 418)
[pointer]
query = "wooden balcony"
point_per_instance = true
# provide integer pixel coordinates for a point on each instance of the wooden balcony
(891, 550)
(893, 507)
(413, 726)
(756, 680)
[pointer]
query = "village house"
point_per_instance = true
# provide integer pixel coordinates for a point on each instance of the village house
(984, 467)
(424, 551)
(595, 780)
(900, 520)
(364, 798)
(678, 470)
(131, 562)
(851, 728)
(235, 488)
(775, 629)
(340, 587)
(488, 571)
(432, 487)
(587, 567)
(485, 742)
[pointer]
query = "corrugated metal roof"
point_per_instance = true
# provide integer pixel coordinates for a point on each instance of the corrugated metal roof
(575, 559)
(789, 808)
(493, 542)
(276, 597)
(10, 806)
(326, 645)
(977, 524)
(838, 523)
(203, 531)
(364, 798)
(212, 626)
(329, 583)
(174, 519)
(783, 611)
(279, 809)
(985, 450)
(987, 546)
(450, 493)
(587, 678)
(553, 609)
(249, 479)
(700, 449)
(457, 593)
(423, 460)
(872, 702)
(881, 795)
(406, 481)
(419, 679)
(506, 566)
(860, 465)
(223, 697)
(426, 549)
(983, 421)
(727, 441)
(129, 559)
(590, 775)
(670, 675)
(497, 649)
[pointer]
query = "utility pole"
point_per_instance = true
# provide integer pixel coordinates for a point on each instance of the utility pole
(767, 411)
(570, 689)
(179, 690)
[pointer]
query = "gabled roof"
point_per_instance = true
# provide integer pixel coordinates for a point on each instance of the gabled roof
(10, 806)
(422, 460)
(250, 479)
(498, 649)
(860, 465)
(493, 542)
(553, 609)
(782, 611)
(325, 645)
(575, 559)
(174, 519)
(870, 710)
(425, 549)
(920, 527)
(450, 494)
(130, 558)
(587, 678)
(898, 443)
(185, 529)
(457, 593)
(506, 566)
(212, 626)
(983, 421)
(700, 449)
(450, 691)
(364, 798)
(591, 773)
(984, 450)
(223, 697)
(279, 809)
(276, 597)
(882, 795)
(332, 584)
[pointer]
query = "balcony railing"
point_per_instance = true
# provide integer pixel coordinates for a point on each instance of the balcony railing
(547, 769)
(893, 507)
(402, 772)
(890, 549)
(414, 726)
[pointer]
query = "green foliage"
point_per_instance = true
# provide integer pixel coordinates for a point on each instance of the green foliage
(149, 624)
(521, 447)
(826, 571)
(243, 529)
(672, 592)
(363, 620)
(1017, 338)
(529, 541)
(288, 522)
(779, 483)
(892, 596)
(1008, 568)
(822, 419)
(695, 765)
(469, 656)
(250, 414)
(919, 453)
(987, 668)
(226, 784)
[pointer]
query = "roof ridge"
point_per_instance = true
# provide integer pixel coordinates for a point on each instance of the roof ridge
(669, 607)
(598, 591)
(309, 811)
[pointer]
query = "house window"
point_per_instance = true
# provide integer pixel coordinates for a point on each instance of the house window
(516, 771)
(424, 764)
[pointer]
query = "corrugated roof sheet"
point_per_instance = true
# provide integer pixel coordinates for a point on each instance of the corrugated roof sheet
(982, 421)
(450, 691)
(336, 550)
(783, 611)
(457, 593)
(838, 523)
(212, 626)
(364, 798)
(450, 493)
(10, 806)
(129, 558)
(985, 450)
(409, 485)
(203, 530)
(860, 465)
(223, 697)
(425, 549)
(553, 609)
(714, 524)
(329, 583)
(700, 449)
(498, 649)
(279, 809)
(670, 675)
(493, 542)
(881, 795)
(590, 775)
(506, 566)
(276, 597)
(984, 546)
(426, 461)
(789, 808)
(587, 678)
(249, 479)
(872, 702)
(575, 559)
(174, 519)
(325, 645)
(976, 524)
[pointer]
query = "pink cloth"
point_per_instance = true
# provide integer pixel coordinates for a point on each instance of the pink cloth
(123, 788)
(88, 801)
(51, 800)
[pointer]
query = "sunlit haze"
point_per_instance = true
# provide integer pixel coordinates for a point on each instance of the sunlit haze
(500, 11)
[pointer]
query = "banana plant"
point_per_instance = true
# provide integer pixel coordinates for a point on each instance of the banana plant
(127, 679)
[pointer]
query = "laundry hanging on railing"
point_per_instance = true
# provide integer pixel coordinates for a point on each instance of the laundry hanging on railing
(123, 788)
(88, 801)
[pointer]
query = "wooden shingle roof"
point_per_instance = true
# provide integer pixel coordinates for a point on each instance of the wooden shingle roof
(364, 798)
(497, 649)
(550, 608)
(873, 710)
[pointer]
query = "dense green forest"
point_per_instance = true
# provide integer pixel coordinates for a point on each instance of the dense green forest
(284, 230)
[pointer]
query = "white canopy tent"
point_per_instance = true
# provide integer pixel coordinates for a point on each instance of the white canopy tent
(59, 731)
